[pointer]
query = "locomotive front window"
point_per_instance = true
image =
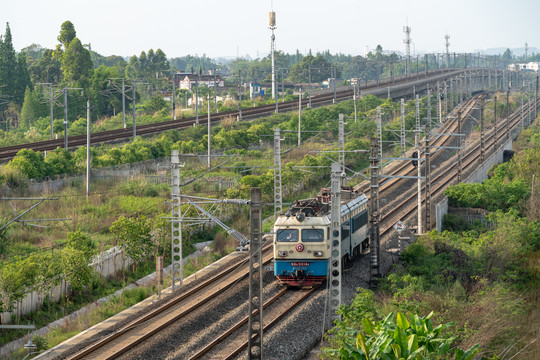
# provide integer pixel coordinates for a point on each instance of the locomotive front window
(287, 235)
(312, 235)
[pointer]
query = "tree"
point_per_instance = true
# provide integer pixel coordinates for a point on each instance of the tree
(76, 63)
(133, 235)
(67, 33)
(76, 257)
(132, 70)
(47, 69)
(60, 161)
(30, 163)
(32, 108)
(13, 71)
(155, 103)
(507, 56)
(320, 69)
(46, 271)
(13, 284)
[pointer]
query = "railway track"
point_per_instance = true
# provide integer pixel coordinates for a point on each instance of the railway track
(236, 334)
(142, 328)
(404, 168)
(448, 171)
(8, 152)
(230, 343)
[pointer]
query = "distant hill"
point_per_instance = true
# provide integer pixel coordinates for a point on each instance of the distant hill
(515, 51)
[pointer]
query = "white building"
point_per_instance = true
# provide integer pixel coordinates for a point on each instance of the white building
(532, 66)
(188, 81)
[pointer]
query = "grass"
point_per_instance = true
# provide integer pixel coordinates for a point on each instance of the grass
(110, 199)
(115, 305)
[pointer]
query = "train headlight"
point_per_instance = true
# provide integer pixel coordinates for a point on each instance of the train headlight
(282, 253)
(317, 253)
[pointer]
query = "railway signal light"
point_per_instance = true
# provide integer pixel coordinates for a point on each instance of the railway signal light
(415, 156)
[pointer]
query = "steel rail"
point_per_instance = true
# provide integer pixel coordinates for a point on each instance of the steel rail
(152, 314)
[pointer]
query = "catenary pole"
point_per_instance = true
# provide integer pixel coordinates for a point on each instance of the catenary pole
(88, 148)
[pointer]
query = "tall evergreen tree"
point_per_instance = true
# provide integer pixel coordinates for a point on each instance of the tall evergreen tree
(76, 63)
(14, 75)
(8, 62)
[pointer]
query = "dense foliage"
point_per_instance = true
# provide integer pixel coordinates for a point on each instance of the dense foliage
(481, 279)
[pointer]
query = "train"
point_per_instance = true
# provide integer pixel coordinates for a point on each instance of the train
(302, 237)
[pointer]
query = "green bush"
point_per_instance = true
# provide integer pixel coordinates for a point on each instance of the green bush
(396, 338)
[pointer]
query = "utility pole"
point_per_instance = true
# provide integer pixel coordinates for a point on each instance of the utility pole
(334, 82)
(335, 247)
(460, 151)
(309, 80)
(66, 116)
(451, 93)
(197, 96)
(255, 322)
(379, 132)
(508, 114)
(277, 97)
(374, 245)
(123, 90)
(272, 46)
(445, 98)
(174, 96)
(495, 117)
(124, 102)
(300, 119)
(240, 95)
(66, 120)
(428, 118)
(215, 91)
(278, 206)
(134, 110)
(176, 233)
(482, 134)
(51, 102)
(522, 117)
(209, 138)
(428, 177)
(419, 182)
(417, 103)
(88, 148)
(402, 132)
(282, 87)
(439, 107)
(341, 143)
(354, 101)
(417, 67)
(536, 99)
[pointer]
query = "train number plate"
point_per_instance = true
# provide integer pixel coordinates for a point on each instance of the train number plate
(300, 264)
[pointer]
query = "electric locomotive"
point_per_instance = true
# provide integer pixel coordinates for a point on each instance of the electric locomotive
(302, 237)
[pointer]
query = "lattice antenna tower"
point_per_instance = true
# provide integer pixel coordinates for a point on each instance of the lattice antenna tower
(272, 21)
(526, 51)
(447, 45)
(407, 41)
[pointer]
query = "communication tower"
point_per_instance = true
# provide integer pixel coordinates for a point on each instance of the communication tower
(447, 44)
(407, 41)
(272, 18)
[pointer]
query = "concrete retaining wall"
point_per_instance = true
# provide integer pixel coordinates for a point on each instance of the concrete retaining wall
(479, 175)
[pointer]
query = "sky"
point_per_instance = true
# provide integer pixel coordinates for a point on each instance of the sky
(221, 28)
